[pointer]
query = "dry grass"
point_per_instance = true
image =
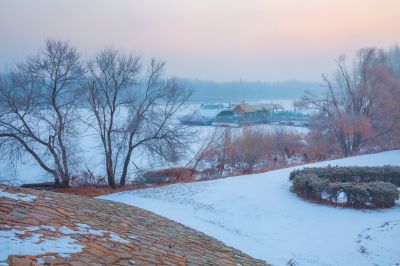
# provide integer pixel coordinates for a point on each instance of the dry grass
(99, 190)
(94, 191)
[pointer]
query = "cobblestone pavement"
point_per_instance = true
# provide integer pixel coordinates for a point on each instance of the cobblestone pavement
(71, 230)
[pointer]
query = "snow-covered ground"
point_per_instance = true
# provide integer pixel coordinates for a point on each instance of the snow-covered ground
(13, 244)
(30, 241)
(260, 216)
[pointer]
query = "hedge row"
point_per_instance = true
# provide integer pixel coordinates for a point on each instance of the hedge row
(387, 173)
(356, 191)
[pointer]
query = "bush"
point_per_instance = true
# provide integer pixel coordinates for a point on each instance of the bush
(386, 173)
(360, 187)
(166, 176)
(383, 194)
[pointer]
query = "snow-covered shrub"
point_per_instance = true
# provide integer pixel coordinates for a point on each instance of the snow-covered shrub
(359, 186)
(310, 185)
(386, 173)
(383, 194)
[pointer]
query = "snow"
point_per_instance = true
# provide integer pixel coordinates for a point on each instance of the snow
(203, 115)
(85, 229)
(260, 216)
(116, 238)
(381, 244)
(18, 196)
(39, 244)
(36, 244)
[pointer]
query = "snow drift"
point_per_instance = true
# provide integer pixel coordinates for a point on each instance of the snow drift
(260, 216)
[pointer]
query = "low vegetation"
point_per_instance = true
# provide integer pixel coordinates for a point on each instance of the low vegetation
(357, 187)
(249, 150)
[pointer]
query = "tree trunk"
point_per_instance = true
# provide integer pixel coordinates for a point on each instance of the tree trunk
(110, 173)
(125, 168)
(65, 181)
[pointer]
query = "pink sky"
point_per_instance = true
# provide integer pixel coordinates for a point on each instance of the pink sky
(209, 39)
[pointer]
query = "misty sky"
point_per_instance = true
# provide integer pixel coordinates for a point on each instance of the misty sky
(220, 40)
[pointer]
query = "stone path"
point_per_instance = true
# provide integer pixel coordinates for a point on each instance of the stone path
(46, 228)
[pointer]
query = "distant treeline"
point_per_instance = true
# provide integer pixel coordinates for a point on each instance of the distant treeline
(211, 91)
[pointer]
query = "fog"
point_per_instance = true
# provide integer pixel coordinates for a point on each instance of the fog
(236, 91)
(220, 40)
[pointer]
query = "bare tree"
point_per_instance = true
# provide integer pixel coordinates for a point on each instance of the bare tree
(38, 108)
(250, 147)
(111, 76)
(349, 110)
(393, 60)
(285, 142)
(201, 153)
(134, 111)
